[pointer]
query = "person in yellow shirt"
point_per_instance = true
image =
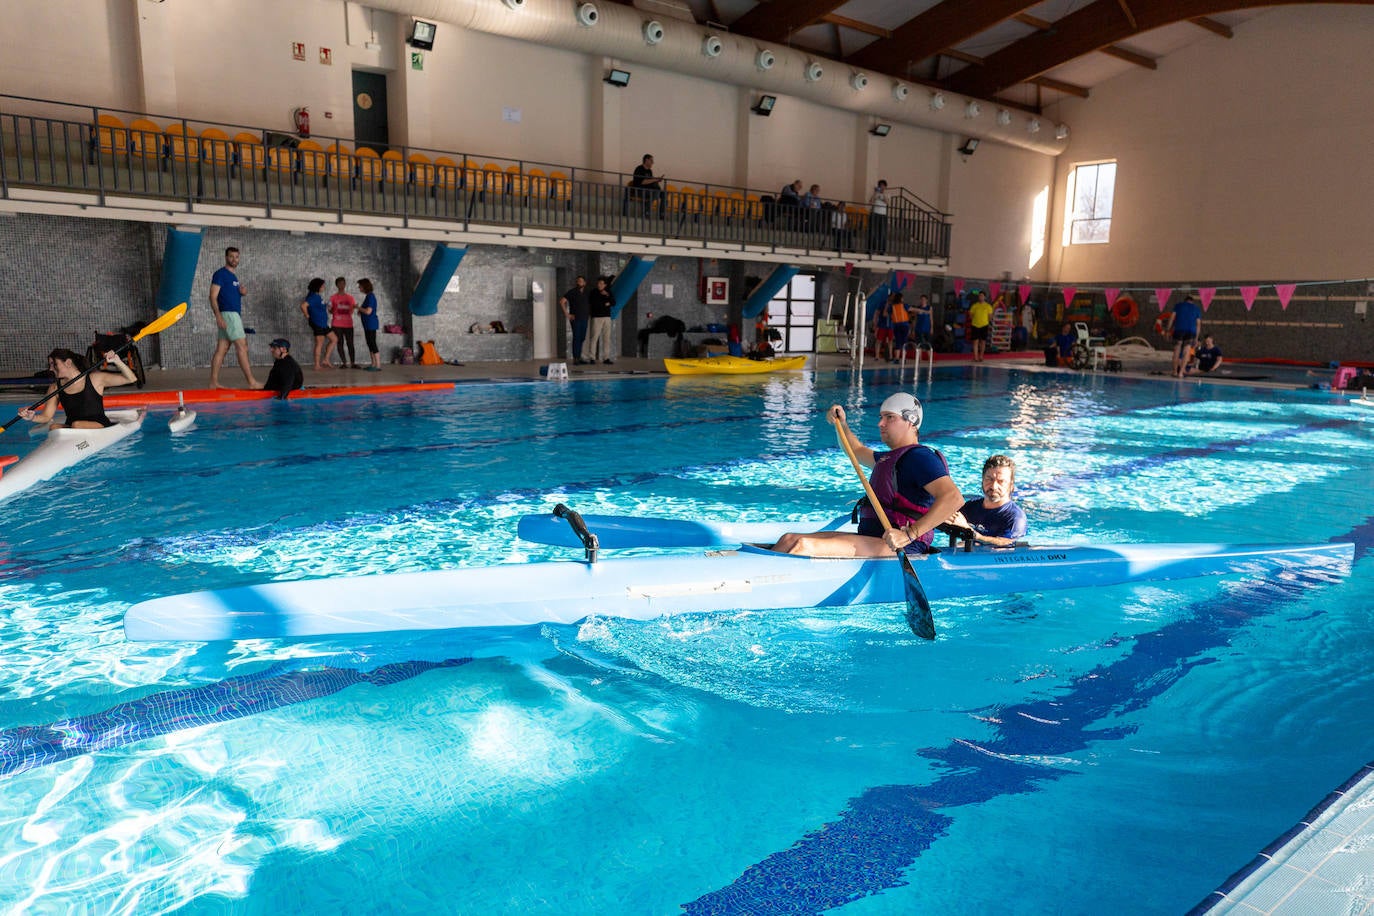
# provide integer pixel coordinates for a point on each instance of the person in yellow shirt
(979, 326)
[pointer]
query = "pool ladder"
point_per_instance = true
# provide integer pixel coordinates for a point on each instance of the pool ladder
(922, 350)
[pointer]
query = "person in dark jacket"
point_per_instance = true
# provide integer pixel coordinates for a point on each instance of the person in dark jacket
(286, 375)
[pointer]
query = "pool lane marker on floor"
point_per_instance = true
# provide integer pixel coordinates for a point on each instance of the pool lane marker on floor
(29, 746)
(883, 831)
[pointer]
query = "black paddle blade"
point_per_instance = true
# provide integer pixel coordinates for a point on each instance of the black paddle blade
(918, 615)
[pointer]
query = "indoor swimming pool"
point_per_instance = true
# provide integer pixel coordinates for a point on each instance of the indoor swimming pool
(1083, 751)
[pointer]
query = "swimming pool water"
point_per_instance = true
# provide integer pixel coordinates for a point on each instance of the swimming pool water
(1067, 752)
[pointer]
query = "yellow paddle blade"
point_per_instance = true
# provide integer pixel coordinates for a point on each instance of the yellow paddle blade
(162, 322)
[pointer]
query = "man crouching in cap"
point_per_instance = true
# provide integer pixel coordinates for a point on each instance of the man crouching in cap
(286, 375)
(911, 482)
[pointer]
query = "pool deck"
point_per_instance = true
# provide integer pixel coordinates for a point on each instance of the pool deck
(392, 375)
(1324, 864)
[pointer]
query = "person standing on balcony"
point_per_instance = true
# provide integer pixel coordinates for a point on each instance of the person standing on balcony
(226, 302)
(645, 186)
(877, 219)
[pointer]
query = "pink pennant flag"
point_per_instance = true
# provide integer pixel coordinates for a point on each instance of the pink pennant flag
(1112, 292)
(1068, 294)
(993, 289)
(959, 286)
(1024, 291)
(1285, 291)
(1247, 295)
(1205, 293)
(848, 268)
(1162, 293)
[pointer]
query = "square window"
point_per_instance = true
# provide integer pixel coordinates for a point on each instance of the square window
(1088, 210)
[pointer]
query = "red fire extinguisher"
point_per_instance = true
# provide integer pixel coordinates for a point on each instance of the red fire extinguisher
(302, 118)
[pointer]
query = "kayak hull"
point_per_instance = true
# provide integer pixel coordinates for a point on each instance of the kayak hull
(64, 448)
(644, 588)
(732, 365)
(622, 531)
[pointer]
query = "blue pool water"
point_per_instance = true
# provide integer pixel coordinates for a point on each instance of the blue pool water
(1070, 752)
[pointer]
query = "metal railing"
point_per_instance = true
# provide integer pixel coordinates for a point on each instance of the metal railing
(184, 162)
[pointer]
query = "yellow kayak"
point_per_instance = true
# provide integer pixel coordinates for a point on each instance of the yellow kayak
(732, 365)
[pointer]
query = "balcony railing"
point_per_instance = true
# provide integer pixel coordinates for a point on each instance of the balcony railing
(54, 145)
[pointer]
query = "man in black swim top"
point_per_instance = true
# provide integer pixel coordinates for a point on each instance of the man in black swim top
(82, 401)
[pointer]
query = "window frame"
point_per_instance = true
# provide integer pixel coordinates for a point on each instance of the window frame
(1073, 219)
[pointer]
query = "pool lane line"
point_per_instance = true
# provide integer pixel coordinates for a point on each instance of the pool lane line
(27, 747)
(885, 829)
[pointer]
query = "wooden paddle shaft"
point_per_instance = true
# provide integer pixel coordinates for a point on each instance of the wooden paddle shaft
(842, 431)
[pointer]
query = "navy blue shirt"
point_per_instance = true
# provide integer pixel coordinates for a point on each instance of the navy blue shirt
(370, 322)
(230, 299)
(1003, 522)
(1186, 316)
(317, 311)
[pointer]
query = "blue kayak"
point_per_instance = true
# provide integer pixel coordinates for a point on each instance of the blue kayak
(643, 588)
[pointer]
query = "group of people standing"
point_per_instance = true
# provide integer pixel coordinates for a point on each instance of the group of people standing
(589, 310)
(894, 324)
(332, 323)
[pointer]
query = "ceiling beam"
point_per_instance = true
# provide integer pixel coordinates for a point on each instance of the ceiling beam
(1086, 30)
(856, 25)
(777, 21)
(1130, 17)
(942, 26)
(967, 58)
(1059, 86)
(1034, 22)
(1211, 25)
(1140, 60)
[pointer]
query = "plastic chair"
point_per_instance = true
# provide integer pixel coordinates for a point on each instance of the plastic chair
(111, 136)
(338, 161)
(493, 178)
(560, 187)
(367, 164)
(182, 142)
(145, 139)
(215, 146)
(421, 170)
(515, 181)
(393, 167)
(537, 183)
(447, 173)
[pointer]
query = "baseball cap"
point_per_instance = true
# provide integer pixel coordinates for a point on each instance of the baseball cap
(905, 406)
(281, 342)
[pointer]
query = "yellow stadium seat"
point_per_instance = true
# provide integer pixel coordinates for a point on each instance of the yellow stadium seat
(145, 138)
(252, 154)
(215, 146)
(182, 143)
(421, 169)
(111, 136)
(368, 164)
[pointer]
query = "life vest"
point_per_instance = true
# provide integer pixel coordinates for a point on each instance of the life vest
(899, 315)
(429, 356)
(900, 510)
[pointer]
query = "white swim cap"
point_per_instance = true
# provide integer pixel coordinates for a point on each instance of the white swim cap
(904, 406)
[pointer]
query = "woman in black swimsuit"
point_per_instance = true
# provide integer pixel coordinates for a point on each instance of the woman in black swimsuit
(82, 401)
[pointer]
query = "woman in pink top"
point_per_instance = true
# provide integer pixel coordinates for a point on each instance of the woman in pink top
(341, 308)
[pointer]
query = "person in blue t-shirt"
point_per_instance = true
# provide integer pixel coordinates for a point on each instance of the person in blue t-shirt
(371, 323)
(317, 314)
(921, 323)
(1064, 342)
(994, 520)
(226, 302)
(1187, 325)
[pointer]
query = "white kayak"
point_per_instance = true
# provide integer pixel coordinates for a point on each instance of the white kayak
(64, 448)
(642, 588)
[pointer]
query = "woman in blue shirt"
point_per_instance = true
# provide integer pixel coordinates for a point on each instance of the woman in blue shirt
(317, 314)
(371, 323)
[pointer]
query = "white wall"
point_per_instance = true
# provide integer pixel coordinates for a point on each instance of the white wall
(82, 51)
(683, 121)
(1240, 159)
(992, 198)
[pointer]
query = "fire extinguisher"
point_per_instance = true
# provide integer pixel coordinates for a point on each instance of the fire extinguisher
(301, 116)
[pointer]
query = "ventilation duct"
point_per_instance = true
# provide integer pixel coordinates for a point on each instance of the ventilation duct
(687, 48)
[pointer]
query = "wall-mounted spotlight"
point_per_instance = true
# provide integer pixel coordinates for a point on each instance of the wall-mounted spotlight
(1003, 117)
(587, 14)
(619, 78)
(972, 110)
(422, 35)
(900, 91)
(764, 106)
(653, 32)
(970, 146)
(1061, 132)
(711, 46)
(859, 81)
(937, 101)
(814, 71)
(765, 60)
(515, 4)
(880, 130)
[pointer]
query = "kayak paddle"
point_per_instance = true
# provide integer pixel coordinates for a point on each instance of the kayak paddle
(918, 615)
(161, 323)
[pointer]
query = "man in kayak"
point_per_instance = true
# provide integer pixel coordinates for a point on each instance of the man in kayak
(911, 481)
(994, 520)
(82, 401)
(286, 375)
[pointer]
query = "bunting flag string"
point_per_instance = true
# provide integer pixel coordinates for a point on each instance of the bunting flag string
(1068, 294)
(1162, 293)
(993, 289)
(959, 286)
(1112, 293)
(1285, 291)
(1247, 295)
(1023, 292)
(1205, 294)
